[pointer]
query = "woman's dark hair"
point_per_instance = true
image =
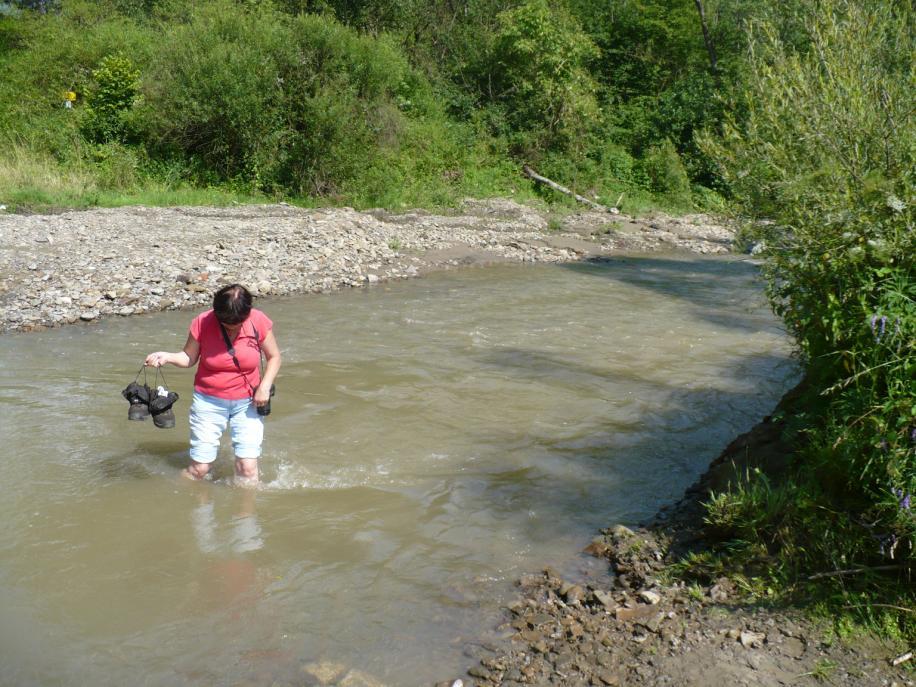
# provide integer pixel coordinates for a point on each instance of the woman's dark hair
(231, 304)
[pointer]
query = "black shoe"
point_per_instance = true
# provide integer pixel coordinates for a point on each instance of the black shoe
(160, 407)
(138, 397)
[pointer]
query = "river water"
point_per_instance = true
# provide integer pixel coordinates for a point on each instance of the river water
(431, 441)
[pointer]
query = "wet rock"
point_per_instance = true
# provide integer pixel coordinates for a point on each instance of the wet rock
(598, 548)
(622, 532)
(325, 672)
(649, 597)
(530, 580)
(652, 622)
(539, 619)
(357, 678)
(573, 594)
(624, 614)
(479, 672)
(604, 598)
(751, 640)
(530, 636)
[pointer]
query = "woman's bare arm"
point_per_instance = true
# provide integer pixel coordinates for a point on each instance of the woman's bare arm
(186, 357)
(272, 353)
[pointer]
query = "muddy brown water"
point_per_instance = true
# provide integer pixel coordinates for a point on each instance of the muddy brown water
(431, 441)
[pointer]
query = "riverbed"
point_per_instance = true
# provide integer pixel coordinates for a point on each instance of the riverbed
(431, 441)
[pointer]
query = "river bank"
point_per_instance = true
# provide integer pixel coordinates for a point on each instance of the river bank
(642, 629)
(82, 266)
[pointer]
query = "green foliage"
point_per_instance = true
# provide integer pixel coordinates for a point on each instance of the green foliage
(109, 99)
(665, 172)
(117, 166)
(653, 69)
(538, 73)
(825, 152)
(288, 97)
(48, 55)
(289, 104)
(749, 510)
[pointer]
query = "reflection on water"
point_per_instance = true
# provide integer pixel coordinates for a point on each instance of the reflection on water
(430, 441)
(240, 534)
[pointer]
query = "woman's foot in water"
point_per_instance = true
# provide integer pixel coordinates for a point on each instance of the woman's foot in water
(246, 472)
(196, 471)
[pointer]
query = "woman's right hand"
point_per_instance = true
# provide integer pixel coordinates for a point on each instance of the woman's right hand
(157, 359)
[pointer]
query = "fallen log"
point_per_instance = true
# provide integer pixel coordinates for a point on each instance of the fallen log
(902, 658)
(562, 189)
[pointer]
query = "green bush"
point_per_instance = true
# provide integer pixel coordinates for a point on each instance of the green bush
(619, 164)
(109, 99)
(537, 73)
(827, 155)
(293, 104)
(666, 174)
(117, 167)
(750, 511)
(55, 53)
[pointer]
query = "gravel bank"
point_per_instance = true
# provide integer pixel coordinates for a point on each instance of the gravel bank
(85, 265)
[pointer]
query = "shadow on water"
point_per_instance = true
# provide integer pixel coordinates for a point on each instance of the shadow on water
(699, 282)
(683, 433)
(145, 460)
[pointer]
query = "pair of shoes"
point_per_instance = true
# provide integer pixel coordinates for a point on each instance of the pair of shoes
(145, 402)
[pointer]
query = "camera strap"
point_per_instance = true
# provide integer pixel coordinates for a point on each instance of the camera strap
(231, 350)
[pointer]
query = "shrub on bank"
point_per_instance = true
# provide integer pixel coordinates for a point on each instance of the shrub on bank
(665, 172)
(110, 97)
(826, 154)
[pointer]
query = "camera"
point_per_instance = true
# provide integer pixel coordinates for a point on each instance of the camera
(264, 410)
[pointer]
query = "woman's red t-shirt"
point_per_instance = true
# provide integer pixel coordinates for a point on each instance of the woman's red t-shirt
(217, 374)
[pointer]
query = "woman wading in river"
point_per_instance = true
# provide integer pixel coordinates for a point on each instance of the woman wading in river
(228, 388)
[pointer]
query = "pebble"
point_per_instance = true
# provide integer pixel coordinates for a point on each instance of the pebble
(604, 598)
(325, 672)
(649, 597)
(751, 640)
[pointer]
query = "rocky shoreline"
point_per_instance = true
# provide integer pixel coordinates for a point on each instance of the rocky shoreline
(641, 628)
(82, 266)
